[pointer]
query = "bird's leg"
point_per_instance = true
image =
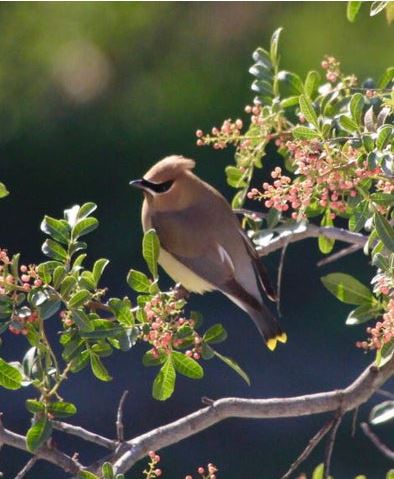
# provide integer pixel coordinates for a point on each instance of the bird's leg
(180, 292)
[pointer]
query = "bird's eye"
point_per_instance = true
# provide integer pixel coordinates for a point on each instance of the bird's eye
(157, 187)
(163, 187)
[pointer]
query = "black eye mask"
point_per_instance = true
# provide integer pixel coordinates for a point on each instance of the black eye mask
(157, 187)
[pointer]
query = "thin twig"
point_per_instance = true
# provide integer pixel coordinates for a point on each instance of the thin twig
(84, 434)
(354, 422)
(309, 448)
(330, 445)
(280, 275)
(376, 441)
(119, 417)
(385, 393)
(22, 473)
(246, 212)
(339, 255)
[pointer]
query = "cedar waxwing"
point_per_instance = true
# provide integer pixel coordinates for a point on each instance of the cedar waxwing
(202, 244)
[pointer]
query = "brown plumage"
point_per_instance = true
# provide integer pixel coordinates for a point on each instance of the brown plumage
(202, 244)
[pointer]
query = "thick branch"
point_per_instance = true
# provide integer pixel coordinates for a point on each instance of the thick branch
(54, 456)
(345, 400)
(311, 231)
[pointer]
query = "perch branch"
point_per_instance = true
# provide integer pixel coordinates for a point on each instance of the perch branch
(345, 400)
(22, 473)
(119, 417)
(312, 231)
(330, 445)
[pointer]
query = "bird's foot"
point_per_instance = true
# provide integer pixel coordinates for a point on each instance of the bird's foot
(180, 292)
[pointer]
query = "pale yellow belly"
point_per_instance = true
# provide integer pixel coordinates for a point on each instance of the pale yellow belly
(181, 274)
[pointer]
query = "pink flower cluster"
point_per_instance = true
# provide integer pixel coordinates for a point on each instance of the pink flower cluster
(164, 320)
(229, 131)
(332, 67)
(329, 179)
(382, 333)
(153, 472)
(208, 473)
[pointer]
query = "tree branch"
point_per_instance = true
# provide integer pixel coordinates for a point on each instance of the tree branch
(385, 450)
(51, 455)
(345, 400)
(311, 231)
(84, 434)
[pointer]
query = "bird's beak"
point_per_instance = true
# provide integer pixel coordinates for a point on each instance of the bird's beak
(140, 184)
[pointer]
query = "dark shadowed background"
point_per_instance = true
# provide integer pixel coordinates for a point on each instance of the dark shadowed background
(91, 94)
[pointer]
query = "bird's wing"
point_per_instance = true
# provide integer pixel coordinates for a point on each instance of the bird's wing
(259, 268)
(184, 236)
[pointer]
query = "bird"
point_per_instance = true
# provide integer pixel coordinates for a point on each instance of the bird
(202, 245)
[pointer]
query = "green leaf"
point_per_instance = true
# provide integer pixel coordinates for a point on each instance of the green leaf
(361, 314)
(62, 409)
(3, 190)
(81, 319)
(382, 412)
(151, 250)
(386, 78)
(164, 383)
(10, 377)
(377, 7)
(58, 275)
(34, 406)
(108, 471)
(347, 123)
(39, 433)
(274, 45)
(384, 354)
(319, 470)
(87, 281)
(356, 108)
(235, 177)
(138, 281)
(98, 269)
(215, 334)
(84, 226)
(384, 136)
(347, 289)
(187, 366)
(67, 286)
(149, 360)
(359, 216)
(58, 229)
(54, 250)
(303, 132)
(72, 349)
(233, 365)
(385, 199)
(352, 11)
(326, 245)
(98, 368)
(290, 101)
(292, 81)
(86, 209)
(87, 475)
(308, 111)
(122, 311)
(384, 230)
(79, 298)
(311, 83)
(389, 475)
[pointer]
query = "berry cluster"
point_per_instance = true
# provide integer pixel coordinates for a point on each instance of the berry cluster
(153, 471)
(208, 473)
(332, 67)
(228, 133)
(382, 333)
(166, 328)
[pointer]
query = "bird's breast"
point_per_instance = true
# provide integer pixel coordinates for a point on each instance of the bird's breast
(181, 274)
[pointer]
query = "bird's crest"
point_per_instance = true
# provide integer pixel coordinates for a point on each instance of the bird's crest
(169, 169)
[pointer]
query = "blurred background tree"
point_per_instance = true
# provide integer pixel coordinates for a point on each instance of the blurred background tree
(91, 94)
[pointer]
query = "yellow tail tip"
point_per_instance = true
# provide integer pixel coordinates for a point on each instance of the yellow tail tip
(271, 344)
(282, 338)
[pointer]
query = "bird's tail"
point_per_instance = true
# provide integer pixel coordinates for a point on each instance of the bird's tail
(268, 326)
